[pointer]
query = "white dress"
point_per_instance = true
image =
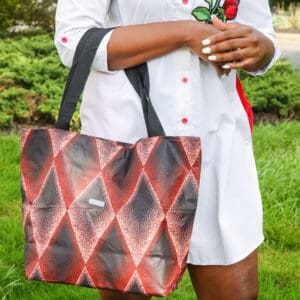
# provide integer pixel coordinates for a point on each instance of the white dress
(190, 99)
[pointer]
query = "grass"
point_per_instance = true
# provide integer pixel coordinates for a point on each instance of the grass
(277, 150)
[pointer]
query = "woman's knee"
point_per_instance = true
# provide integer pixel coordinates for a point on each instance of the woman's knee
(238, 281)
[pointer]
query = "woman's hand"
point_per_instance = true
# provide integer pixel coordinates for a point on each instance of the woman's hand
(134, 44)
(196, 32)
(238, 46)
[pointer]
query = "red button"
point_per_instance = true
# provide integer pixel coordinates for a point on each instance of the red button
(185, 1)
(64, 39)
(185, 121)
(185, 80)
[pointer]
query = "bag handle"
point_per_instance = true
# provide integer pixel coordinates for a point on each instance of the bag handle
(80, 70)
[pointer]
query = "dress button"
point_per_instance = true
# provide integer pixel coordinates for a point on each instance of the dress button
(184, 121)
(185, 1)
(185, 79)
(64, 39)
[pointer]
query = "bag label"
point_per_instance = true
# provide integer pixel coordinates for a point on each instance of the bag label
(97, 202)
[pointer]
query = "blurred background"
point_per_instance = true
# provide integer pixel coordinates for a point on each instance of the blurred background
(17, 14)
(31, 71)
(31, 84)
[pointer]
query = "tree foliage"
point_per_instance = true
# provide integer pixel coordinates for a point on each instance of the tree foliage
(32, 13)
(284, 3)
(6, 20)
(40, 13)
(32, 80)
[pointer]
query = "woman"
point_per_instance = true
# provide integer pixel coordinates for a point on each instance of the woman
(188, 62)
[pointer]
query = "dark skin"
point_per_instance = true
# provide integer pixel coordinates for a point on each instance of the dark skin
(133, 45)
(233, 46)
(240, 46)
(235, 282)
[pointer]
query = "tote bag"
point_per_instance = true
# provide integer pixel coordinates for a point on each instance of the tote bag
(106, 214)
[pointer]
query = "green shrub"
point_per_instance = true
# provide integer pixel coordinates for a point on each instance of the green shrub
(32, 80)
(32, 13)
(277, 92)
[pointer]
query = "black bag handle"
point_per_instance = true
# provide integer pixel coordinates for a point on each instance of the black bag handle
(80, 70)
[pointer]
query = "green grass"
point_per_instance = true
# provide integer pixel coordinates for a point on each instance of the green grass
(277, 150)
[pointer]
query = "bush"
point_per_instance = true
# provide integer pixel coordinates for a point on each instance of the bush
(7, 6)
(28, 13)
(276, 93)
(32, 80)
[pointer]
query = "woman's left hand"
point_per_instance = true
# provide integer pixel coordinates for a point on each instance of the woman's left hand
(238, 46)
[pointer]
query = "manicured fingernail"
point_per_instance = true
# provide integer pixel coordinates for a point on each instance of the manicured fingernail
(206, 50)
(212, 58)
(206, 42)
(226, 67)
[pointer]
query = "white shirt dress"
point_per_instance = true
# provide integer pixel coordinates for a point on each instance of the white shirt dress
(190, 100)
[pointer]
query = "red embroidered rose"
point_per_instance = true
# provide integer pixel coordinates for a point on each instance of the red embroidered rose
(231, 8)
(226, 12)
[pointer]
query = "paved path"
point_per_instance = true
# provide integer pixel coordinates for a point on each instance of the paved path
(290, 47)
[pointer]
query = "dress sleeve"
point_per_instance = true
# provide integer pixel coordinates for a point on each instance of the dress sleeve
(258, 15)
(73, 18)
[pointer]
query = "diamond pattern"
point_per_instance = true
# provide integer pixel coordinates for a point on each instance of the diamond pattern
(166, 173)
(46, 212)
(93, 208)
(192, 149)
(37, 160)
(159, 268)
(60, 139)
(36, 274)
(106, 151)
(55, 257)
(24, 136)
(88, 218)
(111, 266)
(31, 254)
(85, 279)
(120, 177)
(76, 164)
(25, 205)
(144, 148)
(180, 217)
(140, 219)
(135, 285)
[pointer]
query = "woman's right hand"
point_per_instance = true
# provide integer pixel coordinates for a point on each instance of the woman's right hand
(197, 32)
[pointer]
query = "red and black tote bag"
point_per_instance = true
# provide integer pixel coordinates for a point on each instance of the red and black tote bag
(106, 214)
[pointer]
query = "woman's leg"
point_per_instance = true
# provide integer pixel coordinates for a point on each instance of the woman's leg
(110, 295)
(235, 282)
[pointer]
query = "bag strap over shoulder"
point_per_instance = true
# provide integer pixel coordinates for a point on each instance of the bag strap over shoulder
(80, 70)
